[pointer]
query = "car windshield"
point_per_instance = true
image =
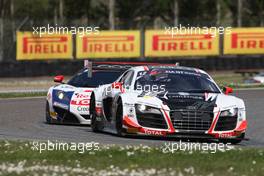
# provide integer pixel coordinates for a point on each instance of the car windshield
(176, 81)
(101, 77)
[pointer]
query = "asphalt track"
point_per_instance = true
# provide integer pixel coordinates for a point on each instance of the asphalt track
(24, 119)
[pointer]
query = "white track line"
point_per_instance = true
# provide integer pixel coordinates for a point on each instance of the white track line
(23, 98)
(255, 88)
(24, 91)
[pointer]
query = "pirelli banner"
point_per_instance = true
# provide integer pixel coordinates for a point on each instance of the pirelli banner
(244, 41)
(32, 47)
(188, 43)
(108, 44)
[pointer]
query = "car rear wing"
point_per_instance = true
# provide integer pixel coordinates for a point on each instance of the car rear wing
(120, 66)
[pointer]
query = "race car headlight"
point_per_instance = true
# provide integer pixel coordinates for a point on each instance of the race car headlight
(230, 112)
(241, 114)
(62, 96)
(147, 109)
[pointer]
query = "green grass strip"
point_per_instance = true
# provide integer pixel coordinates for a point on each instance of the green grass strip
(19, 155)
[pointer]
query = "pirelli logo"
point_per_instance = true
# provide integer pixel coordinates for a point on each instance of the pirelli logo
(181, 42)
(244, 41)
(109, 44)
(159, 44)
(46, 47)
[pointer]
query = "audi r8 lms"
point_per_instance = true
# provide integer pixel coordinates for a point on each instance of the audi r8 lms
(69, 102)
(170, 101)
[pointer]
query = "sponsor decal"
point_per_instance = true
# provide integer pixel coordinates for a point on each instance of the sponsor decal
(226, 135)
(82, 109)
(65, 86)
(61, 105)
(244, 41)
(181, 72)
(84, 102)
(80, 99)
(154, 132)
(79, 95)
(191, 107)
(109, 44)
(49, 46)
(158, 43)
(185, 96)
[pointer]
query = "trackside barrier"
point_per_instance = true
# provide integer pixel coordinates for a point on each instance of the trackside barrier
(244, 41)
(127, 44)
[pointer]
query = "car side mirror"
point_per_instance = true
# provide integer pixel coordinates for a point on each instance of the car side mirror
(227, 90)
(117, 85)
(59, 78)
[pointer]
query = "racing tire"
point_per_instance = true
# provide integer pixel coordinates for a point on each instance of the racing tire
(233, 141)
(95, 124)
(48, 117)
(119, 120)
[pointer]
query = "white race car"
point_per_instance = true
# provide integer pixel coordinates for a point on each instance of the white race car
(168, 101)
(259, 78)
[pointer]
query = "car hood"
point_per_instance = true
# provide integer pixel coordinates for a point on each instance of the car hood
(190, 101)
(196, 101)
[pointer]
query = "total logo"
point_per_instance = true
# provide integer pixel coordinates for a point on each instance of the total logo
(84, 102)
(82, 109)
(225, 135)
(153, 132)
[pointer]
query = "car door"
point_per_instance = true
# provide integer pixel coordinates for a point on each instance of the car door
(126, 81)
(118, 86)
(109, 93)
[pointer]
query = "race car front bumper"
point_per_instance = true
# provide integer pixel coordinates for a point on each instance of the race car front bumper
(165, 125)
